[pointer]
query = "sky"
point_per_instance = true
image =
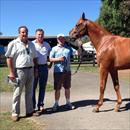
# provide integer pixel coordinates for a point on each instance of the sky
(54, 16)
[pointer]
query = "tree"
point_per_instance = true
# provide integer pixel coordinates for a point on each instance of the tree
(1, 33)
(115, 16)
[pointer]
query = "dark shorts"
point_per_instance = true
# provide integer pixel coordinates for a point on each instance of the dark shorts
(62, 79)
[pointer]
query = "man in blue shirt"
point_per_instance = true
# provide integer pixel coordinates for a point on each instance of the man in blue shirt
(60, 56)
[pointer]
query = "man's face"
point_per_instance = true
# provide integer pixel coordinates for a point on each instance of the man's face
(23, 34)
(61, 40)
(40, 36)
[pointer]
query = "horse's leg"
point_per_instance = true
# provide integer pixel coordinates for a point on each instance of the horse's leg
(114, 76)
(103, 80)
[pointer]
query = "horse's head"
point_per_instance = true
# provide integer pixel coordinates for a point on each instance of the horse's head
(77, 32)
(80, 29)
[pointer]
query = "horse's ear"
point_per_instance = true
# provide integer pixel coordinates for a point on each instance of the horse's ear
(83, 15)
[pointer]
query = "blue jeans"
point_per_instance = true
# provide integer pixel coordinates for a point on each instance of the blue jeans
(42, 79)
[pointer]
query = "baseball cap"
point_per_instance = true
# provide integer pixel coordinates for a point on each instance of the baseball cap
(60, 35)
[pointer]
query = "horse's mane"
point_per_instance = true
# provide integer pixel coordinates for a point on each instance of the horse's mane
(99, 27)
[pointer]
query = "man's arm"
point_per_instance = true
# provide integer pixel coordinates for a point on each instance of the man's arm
(11, 67)
(57, 59)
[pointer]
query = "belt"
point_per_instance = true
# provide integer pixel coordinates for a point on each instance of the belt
(40, 65)
(25, 67)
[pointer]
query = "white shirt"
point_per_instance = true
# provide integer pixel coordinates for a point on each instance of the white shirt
(43, 51)
(21, 58)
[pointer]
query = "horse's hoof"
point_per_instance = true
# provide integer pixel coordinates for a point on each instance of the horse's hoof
(116, 110)
(95, 110)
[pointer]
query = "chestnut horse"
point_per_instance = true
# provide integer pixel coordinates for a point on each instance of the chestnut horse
(113, 54)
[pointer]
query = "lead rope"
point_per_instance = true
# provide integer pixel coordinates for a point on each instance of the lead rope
(78, 66)
(79, 61)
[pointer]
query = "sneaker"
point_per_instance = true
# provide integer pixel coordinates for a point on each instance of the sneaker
(41, 109)
(70, 106)
(55, 107)
(15, 118)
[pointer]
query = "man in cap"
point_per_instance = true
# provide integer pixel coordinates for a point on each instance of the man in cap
(60, 56)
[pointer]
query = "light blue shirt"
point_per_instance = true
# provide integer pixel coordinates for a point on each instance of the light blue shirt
(59, 51)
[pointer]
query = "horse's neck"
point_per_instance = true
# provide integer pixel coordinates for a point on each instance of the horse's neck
(95, 39)
(96, 34)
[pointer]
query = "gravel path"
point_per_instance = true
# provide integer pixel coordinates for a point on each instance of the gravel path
(84, 95)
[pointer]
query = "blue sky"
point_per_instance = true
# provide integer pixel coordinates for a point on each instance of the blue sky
(54, 16)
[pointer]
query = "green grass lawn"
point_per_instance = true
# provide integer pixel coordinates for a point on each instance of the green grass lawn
(5, 87)
(85, 68)
(23, 124)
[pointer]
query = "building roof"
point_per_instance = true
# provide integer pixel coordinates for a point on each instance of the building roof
(4, 40)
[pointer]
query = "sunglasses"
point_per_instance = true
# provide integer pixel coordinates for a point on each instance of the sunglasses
(27, 50)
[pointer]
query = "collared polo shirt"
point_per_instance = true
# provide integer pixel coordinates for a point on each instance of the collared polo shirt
(43, 51)
(22, 55)
(59, 51)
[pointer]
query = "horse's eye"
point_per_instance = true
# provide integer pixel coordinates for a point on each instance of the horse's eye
(77, 25)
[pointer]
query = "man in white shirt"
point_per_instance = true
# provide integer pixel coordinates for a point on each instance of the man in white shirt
(21, 58)
(43, 50)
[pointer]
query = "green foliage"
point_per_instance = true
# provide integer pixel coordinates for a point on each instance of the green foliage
(115, 16)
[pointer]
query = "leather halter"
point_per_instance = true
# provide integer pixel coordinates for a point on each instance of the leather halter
(81, 29)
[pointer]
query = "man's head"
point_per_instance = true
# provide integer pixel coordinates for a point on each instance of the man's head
(40, 35)
(23, 33)
(61, 38)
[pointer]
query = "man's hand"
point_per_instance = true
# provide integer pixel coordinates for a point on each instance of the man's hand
(11, 76)
(61, 58)
(57, 59)
(11, 68)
